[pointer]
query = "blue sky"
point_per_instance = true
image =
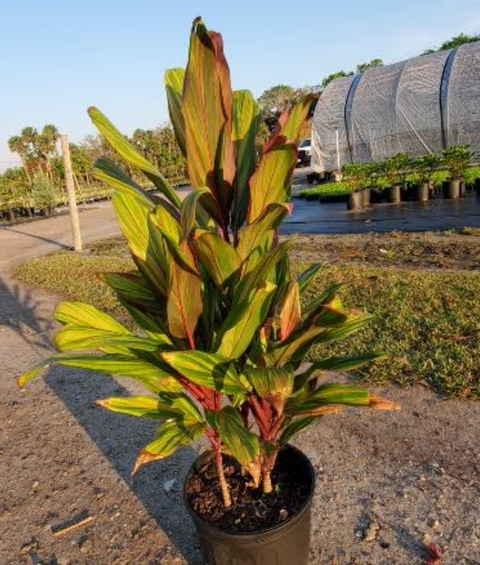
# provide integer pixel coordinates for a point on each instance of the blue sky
(60, 56)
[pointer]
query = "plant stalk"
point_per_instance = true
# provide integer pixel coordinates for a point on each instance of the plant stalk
(267, 481)
(227, 500)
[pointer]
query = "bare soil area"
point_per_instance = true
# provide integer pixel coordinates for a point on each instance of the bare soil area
(387, 482)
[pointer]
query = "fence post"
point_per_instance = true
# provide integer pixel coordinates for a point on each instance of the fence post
(72, 200)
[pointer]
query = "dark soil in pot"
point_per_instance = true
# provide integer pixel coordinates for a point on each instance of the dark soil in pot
(251, 510)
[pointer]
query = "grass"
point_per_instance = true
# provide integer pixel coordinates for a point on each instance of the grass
(327, 192)
(428, 321)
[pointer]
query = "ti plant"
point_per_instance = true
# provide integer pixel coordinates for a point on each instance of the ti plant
(221, 330)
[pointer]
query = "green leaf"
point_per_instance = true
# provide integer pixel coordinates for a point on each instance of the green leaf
(153, 377)
(130, 287)
(81, 314)
(169, 407)
(188, 209)
(271, 181)
(296, 117)
(327, 297)
(243, 321)
(206, 108)
(170, 436)
(274, 384)
(184, 304)
(306, 278)
(345, 329)
(261, 271)
(294, 427)
(210, 370)
(133, 218)
(80, 338)
(166, 242)
(290, 310)
(333, 394)
(244, 128)
(109, 173)
(241, 443)
(218, 257)
(174, 88)
(126, 150)
(342, 363)
(251, 236)
(294, 347)
(138, 406)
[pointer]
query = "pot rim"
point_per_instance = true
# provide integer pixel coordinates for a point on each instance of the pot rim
(271, 531)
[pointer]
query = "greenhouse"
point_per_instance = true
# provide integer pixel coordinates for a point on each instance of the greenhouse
(418, 106)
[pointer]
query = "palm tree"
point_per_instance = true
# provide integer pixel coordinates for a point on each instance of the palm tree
(46, 144)
(17, 145)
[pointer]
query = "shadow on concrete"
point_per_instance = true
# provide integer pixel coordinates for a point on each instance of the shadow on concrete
(46, 239)
(21, 312)
(120, 439)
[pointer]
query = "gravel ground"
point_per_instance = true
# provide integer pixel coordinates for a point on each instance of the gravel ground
(385, 480)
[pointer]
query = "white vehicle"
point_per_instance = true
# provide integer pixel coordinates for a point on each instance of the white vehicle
(304, 152)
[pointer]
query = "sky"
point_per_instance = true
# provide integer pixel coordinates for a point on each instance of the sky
(60, 56)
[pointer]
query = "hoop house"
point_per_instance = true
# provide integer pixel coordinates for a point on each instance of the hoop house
(418, 106)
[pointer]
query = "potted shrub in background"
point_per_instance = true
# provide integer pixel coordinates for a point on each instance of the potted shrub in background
(395, 170)
(456, 160)
(222, 333)
(43, 193)
(355, 176)
(425, 168)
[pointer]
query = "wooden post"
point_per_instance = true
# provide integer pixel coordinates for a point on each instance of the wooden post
(72, 200)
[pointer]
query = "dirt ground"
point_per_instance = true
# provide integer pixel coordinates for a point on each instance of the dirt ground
(385, 481)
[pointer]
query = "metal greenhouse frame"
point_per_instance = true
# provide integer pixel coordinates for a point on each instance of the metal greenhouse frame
(418, 106)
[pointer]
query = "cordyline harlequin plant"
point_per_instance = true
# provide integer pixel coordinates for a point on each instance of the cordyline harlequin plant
(222, 333)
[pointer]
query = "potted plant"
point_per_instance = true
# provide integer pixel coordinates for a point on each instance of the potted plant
(355, 175)
(43, 193)
(222, 333)
(425, 168)
(456, 160)
(395, 170)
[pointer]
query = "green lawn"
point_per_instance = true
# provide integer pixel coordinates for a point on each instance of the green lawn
(428, 321)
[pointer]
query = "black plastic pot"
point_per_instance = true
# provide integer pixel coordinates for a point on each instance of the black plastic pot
(376, 196)
(355, 201)
(285, 544)
(365, 197)
(423, 192)
(453, 189)
(394, 194)
(477, 187)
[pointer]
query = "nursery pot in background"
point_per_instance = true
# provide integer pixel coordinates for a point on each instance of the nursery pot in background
(285, 544)
(394, 194)
(453, 189)
(355, 201)
(423, 192)
(365, 197)
(477, 187)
